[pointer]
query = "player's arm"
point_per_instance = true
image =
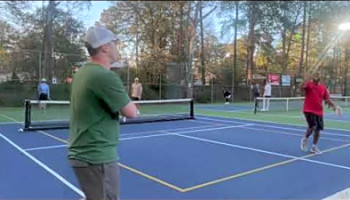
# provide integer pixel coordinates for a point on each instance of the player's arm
(110, 89)
(140, 91)
(328, 100)
(307, 79)
(130, 110)
(48, 93)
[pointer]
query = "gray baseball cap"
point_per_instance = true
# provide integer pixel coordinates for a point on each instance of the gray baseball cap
(98, 35)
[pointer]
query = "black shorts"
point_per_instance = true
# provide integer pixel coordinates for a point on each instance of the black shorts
(43, 97)
(314, 121)
(135, 98)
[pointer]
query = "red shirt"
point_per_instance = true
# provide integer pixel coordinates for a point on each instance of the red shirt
(314, 96)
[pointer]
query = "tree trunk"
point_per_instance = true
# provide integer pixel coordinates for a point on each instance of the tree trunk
(202, 44)
(235, 52)
(48, 40)
(301, 60)
(308, 38)
(253, 9)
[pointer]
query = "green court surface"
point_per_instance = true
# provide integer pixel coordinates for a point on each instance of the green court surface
(234, 111)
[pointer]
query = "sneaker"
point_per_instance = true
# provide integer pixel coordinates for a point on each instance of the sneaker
(303, 144)
(315, 150)
(227, 103)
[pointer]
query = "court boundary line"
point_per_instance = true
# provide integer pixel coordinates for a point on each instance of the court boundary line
(45, 147)
(295, 129)
(296, 135)
(167, 133)
(302, 117)
(45, 167)
(298, 128)
(145, 132)
(257, 120)
(264, 151)
(10, 118)
(256, 170)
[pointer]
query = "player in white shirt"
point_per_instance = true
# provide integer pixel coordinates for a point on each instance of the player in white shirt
(267, 94)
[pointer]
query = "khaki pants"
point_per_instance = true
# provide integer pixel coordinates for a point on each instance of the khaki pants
(97, 181)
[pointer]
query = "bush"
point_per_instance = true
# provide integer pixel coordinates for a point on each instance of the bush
(13, 94)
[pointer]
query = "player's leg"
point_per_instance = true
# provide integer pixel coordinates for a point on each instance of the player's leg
(318, 128)
(310, 122)
(267, 103)
(264, 104)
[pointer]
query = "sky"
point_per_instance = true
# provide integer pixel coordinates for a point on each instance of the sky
(95, 11)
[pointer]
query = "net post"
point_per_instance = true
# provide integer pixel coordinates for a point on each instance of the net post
(27, 116)
(192, 109)
(287, 104)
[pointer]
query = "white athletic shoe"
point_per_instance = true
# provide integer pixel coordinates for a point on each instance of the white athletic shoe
(315, 150)
(303, 144)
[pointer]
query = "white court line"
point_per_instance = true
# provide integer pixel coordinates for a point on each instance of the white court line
(170, 129)
(4, 123)
(183, 132)
(260, 121)
(263, 151)
(46, 147)
(279, 127)
(48, 169)
(302, 117)
(124, 135)
(293, 134)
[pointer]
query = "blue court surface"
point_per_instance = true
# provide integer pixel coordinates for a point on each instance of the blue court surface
(205, 158)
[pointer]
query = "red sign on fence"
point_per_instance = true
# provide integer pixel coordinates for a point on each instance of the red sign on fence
(274, 79)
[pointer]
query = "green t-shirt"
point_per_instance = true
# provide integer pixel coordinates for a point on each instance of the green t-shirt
(97, 94)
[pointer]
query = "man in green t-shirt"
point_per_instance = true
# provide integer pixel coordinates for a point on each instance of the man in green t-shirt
(97, 97)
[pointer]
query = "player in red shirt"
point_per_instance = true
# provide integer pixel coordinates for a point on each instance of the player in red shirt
(315, 93)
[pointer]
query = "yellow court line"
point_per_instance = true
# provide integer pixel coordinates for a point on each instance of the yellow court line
(53, 137)
(259, 169)
(42, 132)
(151, 178)
(128, 168)
(120, 164)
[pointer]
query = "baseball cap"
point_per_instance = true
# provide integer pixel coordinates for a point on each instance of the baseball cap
(43, 80)
(98, 35)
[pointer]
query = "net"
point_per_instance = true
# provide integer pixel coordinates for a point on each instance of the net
(55, 114)
(263, 104)
(278, 104)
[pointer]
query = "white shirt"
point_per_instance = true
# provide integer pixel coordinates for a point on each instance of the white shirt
(136, 90)
(267, 91)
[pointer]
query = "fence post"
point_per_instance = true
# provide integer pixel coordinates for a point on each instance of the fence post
(160, 86)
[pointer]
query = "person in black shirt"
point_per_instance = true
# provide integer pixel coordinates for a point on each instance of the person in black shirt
(227, 96)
